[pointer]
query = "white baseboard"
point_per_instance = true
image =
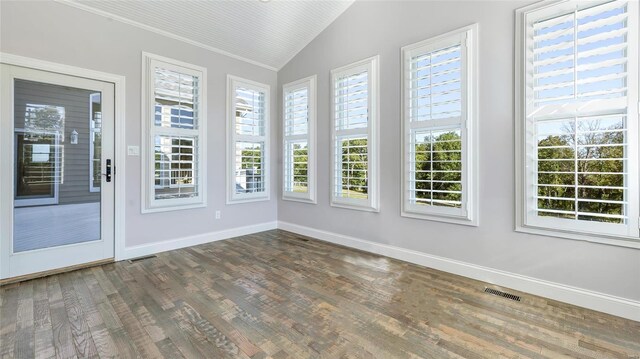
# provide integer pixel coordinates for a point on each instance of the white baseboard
(618, 306)
(152, 248)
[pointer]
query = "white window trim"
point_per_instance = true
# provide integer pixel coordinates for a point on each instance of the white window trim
(149, 203)
(371, 204)
(468, 214)
(92, 132)
(522, 224)
(310, 83)
(232, 137)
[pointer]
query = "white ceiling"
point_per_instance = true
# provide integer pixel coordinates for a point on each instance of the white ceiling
(265, 33)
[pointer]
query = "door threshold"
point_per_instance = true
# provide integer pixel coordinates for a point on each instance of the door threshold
(47, 273)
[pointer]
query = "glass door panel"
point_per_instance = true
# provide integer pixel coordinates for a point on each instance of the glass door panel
(57, 160)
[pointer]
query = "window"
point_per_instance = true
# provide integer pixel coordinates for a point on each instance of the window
(95, 142)
(248, 131)
(578, 124)
(439, 111)
(174, 140)
(299, 126)
(354, 132)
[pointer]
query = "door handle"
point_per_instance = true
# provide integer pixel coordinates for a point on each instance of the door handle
(108, 170)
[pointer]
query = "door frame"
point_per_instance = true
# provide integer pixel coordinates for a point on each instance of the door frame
(119, 141)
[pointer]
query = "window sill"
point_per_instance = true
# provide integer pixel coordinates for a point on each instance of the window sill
(299, 199)
(465, 221)
(247, 200)
(355, 207)
(146, 210)
(627, 242)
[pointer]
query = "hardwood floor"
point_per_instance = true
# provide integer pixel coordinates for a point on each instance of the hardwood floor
(280, 295)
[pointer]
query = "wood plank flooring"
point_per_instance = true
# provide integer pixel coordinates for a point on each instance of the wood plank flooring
(279, 295)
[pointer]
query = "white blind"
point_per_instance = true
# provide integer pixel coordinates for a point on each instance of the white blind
(435, 111)
(580, 60)
(249, 112)
(351, 101)
(176, 99)
(435, 86)
(296, 109)
(578, 109)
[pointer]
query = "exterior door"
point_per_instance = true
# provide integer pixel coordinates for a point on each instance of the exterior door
(57, 180)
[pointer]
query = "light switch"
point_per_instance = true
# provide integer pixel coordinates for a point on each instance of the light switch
(133, 150)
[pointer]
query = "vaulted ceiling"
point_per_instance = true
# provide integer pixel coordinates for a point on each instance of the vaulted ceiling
(266, 33)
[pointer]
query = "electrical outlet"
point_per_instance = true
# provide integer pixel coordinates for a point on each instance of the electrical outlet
(133, 150)
(218, 214)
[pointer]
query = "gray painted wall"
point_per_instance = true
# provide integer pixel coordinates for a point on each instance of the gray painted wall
(74, 187)
(59, 33)
(368, 28)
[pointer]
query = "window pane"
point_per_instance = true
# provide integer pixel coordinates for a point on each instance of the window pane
(175, 167)
(435, 168)
(581, 168)
(296, 114)
(95, 141)
(581, 56)
(176, 99)
(351, 101)
(296, 166)
(250, 112)
(435, 84)
(352, 168)
(249, 172)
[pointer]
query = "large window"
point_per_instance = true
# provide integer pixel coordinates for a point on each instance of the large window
(578, 119)
(439, 111)
(174, 113)
(248, 141)
(354, 132)
(299, 127)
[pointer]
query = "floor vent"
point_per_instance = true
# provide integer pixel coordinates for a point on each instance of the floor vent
(141, 258)
(502, 294)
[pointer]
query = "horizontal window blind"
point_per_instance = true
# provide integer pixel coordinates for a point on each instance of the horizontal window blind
(296, 109)
(435, 85)
(248, 140)
(437, 117)
(297, 137)
(249, 112)
(354, 132)
(578, 114)
(351, 103)
(250, 122)
(176, 99)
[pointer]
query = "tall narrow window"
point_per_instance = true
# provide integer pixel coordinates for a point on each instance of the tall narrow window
(299, 126)
(248, 118)
(174, 141)
(95, 141)
(439, 128)
(354, 157)
(578, 124)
